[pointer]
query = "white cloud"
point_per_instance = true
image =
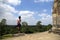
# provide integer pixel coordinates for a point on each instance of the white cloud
(36, 1)
(26, 14)
(12, 2)
(7, 12)
(11, 19)
(7, 8)
(45, 18)
(30, 20)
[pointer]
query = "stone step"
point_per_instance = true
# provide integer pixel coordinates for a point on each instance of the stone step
(57, 31)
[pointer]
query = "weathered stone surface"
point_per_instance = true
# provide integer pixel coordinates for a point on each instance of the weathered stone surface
(56, 16)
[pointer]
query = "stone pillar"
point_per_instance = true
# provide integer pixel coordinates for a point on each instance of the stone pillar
(56, 15)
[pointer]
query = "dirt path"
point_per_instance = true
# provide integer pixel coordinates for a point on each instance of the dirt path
(37, 36)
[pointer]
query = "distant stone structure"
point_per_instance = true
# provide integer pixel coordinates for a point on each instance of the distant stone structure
(56, 16)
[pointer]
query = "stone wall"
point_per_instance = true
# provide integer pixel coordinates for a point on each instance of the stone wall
(56, 13)
(56, 16)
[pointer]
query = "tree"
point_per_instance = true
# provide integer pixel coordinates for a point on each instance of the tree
(39, 26)
(50, 26)
(24, 23)
(38, 23)
(24, 27)
(3, 27)
(3, 22)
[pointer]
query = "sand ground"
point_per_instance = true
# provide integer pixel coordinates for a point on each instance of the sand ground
(37, 36)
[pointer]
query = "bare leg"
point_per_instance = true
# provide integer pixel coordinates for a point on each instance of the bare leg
(18, 29)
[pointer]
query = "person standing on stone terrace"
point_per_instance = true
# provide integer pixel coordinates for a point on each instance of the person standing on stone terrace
(19, 23)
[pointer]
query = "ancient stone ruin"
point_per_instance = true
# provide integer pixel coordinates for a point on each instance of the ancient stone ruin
(56, 16)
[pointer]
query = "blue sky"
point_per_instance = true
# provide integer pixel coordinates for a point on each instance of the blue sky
(31, 11)
(32, 6)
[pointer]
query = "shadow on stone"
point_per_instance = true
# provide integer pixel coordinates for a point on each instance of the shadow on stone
(56, 31)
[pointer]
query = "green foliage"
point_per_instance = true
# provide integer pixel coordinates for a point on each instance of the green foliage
(2, 27)
(39, 26)
(49, 26)
(25, 28)
(30, 30)
(24, 24)
(3, 22)
(38, 23)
